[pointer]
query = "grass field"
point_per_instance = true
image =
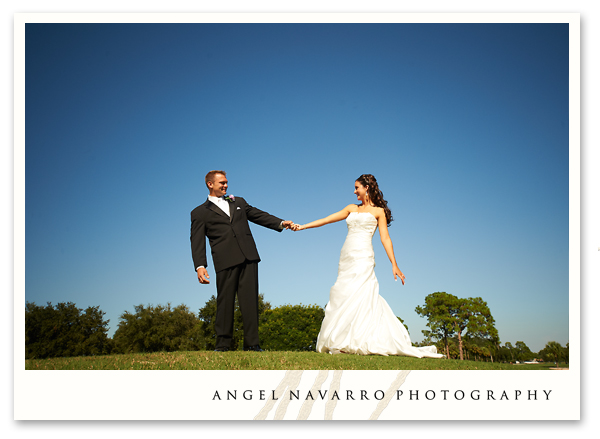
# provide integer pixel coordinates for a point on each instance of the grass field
(277, 360)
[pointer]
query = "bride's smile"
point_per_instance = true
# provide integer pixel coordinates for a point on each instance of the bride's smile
(360, 191)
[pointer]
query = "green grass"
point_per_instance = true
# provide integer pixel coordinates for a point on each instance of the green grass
(277, 360)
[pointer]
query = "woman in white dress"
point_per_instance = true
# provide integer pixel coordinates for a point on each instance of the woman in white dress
(357, 319)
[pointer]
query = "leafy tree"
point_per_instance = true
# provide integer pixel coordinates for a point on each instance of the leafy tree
(505, 353)
(448, 315)
(518, 352)
(523, 352)
(493, 346)
(160, 328)
(208, 315)
(478, 348)
(291, 327)
(439, 312)
(65, 331)
(452, 348)
(474, 316)
(511, 350)
(553, 351)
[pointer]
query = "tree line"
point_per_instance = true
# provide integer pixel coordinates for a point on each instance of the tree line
(65, 330)
(460, 328)
(465, 328)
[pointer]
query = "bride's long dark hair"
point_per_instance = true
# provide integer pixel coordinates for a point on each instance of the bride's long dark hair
(375, 195)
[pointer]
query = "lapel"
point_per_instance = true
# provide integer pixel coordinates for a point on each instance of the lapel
(212, 206)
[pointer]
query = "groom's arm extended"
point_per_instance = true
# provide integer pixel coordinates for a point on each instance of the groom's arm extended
(264, 219)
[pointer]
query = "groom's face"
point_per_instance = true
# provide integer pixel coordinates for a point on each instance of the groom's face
(218, 187)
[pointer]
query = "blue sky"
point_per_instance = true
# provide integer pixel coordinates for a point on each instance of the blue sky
(465, 127)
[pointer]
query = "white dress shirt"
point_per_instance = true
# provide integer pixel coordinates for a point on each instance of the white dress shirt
(221, 203)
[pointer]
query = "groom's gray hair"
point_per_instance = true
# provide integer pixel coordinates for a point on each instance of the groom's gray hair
(211, 176)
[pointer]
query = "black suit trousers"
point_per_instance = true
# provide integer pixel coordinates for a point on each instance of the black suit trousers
(243, 280)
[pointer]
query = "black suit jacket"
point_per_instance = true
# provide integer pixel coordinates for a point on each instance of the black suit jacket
(231, 241)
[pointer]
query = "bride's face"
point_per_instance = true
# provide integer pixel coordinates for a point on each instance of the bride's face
(360, 191)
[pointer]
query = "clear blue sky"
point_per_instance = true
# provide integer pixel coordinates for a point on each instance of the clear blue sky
(465, 127)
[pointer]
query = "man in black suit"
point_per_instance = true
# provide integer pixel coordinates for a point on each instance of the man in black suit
(224, 220)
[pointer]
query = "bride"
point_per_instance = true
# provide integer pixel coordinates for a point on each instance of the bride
(357, 319)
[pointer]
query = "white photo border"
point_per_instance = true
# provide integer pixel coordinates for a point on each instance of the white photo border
(191, 395)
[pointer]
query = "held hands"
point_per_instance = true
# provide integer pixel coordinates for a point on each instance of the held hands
(288, 224)
(292, 226)
(398, 273)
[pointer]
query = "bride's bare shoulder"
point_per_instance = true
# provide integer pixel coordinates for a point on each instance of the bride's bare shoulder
(351, 208)
(378, 211)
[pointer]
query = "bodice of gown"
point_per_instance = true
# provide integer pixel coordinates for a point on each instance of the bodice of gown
(362, 224)
(358, 244)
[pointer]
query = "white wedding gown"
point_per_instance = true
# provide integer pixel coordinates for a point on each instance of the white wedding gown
(357, 319)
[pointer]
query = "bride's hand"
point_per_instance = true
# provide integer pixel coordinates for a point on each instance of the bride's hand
(298, 227)
(398, 273)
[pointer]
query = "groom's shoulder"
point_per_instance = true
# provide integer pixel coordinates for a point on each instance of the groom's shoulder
(199, 209)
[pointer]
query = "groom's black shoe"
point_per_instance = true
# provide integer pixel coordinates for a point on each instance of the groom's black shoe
(222, 349)
(255, 348)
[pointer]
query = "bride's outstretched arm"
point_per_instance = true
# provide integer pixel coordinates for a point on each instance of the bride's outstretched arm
(333, 218)
(389, 248)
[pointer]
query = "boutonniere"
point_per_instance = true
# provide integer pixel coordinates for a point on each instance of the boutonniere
(230, 198)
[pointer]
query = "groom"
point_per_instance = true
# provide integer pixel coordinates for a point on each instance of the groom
(224, 220)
